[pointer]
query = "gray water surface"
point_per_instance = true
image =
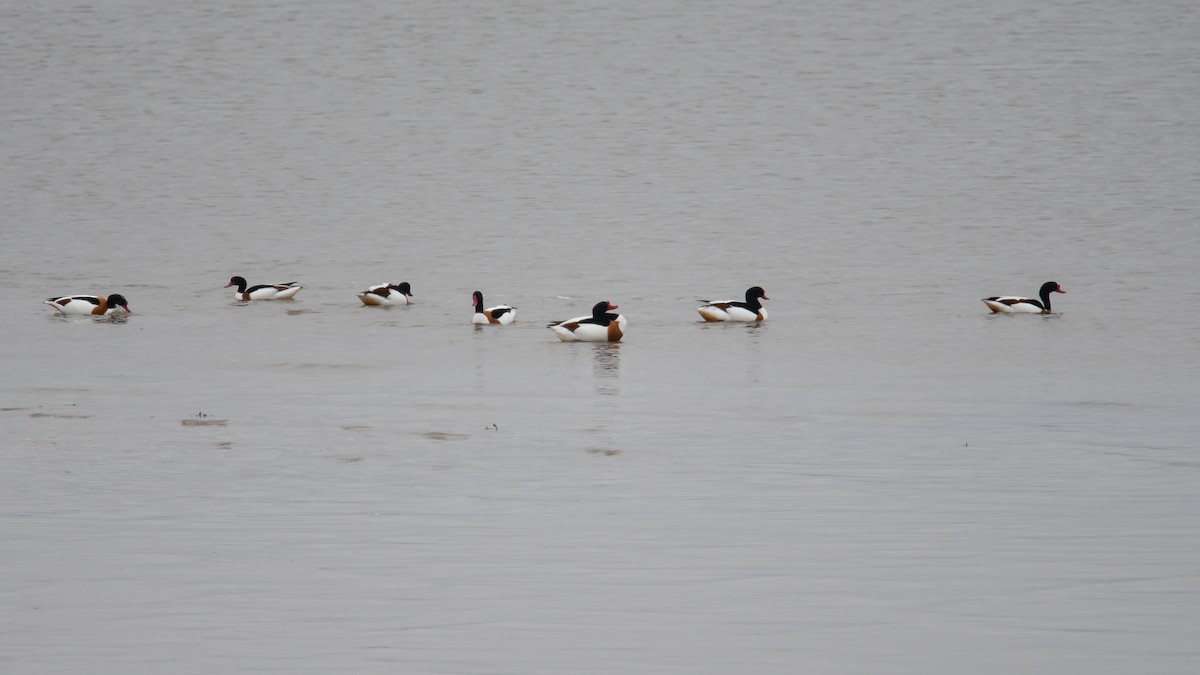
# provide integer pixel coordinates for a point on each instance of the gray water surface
(881, 478)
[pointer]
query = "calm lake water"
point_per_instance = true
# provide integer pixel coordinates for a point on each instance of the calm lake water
(881, 478)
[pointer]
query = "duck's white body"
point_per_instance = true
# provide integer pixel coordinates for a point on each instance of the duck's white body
(1015, 304)
(736, 310)
(725, 310)
(601, 326)
(387, 294)
(263, 291)
(500, 314)
(574, 330)
(95, 305)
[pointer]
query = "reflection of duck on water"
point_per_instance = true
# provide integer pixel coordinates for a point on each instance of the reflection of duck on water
(607, 359)
(606, 368)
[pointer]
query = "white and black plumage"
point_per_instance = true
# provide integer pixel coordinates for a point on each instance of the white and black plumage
(601, 326)
(387, 294)
(501, 314)
(734, 310)
(263, 291)
(1012, 304)
(96, 305)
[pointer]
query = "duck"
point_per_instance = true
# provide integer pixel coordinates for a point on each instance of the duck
(90, 304)
(1011, 304)
(263, 291)
(501, 314)
(601, 326)
(734, 310)
(387, 294)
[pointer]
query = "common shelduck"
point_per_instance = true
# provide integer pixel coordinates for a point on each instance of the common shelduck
(1011, 304)
(90, 304)
(387, 294)
(501, 314)
(263, 291)
(601, 326)
(733, 310)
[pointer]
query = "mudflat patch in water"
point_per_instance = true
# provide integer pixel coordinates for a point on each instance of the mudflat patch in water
(444, 436)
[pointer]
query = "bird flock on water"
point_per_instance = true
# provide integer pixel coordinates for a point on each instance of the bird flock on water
(604, 324)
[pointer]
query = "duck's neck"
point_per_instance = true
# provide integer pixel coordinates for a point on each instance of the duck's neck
(479, 304)
(1046, 301)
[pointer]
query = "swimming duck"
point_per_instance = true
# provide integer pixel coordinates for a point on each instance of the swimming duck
(263, 291)
(733, 310)
(1011, 304)
(501, 314)
(601, 326)
(89, 304)
(387, 294)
